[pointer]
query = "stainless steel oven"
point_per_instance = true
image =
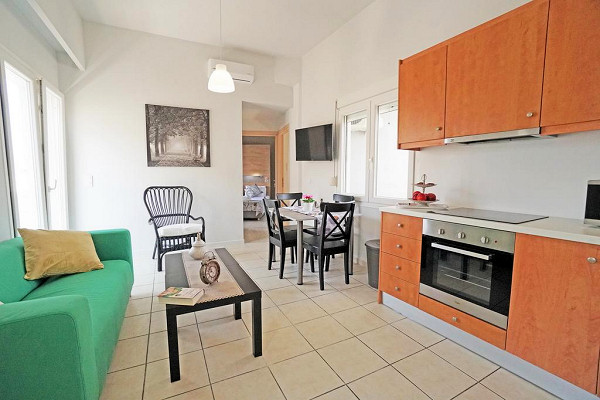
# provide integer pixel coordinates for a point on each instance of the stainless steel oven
(468, 268)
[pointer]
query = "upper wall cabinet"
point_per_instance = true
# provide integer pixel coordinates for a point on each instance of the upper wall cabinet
(495, 74)
(572, 74)
(422, 99)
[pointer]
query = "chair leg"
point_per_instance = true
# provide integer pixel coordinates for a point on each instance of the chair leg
(160, 258)
(312, 262)
(346, 267)
(155, 247)
(327, 263)
(293, 251)
(271, 248)
(307, 255)
(282, 262)
(321, 273)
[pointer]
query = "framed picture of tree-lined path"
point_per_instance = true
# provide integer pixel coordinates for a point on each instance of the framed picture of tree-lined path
(177, 137)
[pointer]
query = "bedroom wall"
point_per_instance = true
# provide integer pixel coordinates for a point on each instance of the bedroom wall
(361, 60)
(106, 130)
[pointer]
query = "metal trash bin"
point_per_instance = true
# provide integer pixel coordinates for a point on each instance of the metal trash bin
(373, 262)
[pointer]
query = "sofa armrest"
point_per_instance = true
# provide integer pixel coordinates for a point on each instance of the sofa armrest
(46, 350)
(113, 244)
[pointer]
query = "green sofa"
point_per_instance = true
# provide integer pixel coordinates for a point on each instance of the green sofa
(57, 335)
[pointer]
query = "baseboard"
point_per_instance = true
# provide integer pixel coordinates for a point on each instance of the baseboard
(551, 383)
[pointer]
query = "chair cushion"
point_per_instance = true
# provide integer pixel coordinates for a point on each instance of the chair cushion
(312, 244)
(179, 230)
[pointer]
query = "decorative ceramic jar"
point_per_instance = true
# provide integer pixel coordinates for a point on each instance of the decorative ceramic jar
(198, 249)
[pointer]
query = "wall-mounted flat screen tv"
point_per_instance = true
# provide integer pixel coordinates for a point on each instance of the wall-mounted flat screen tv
(314, 143)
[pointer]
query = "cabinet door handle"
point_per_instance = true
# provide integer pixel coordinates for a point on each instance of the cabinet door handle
(454, 319)
(397, 268)
(398, 246)
(529, 114)
(438, 128)
(400, 226)
(396, 288)
(592, 260)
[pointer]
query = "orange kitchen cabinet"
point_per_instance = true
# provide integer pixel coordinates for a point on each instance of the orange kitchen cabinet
(554, 317)
(495, 73)
(571, 99)
(422, 99)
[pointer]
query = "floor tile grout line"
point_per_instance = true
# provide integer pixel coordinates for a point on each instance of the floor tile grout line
(408, 379)
(456, 366)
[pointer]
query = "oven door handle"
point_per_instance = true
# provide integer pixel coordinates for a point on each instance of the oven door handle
(461, 251)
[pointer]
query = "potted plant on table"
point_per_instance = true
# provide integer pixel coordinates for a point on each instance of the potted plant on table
(308, 203)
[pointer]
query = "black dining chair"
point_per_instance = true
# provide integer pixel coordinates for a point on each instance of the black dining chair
(280, 236)
(337, 198)
(169, 208)
(289, 199)
(333, 238)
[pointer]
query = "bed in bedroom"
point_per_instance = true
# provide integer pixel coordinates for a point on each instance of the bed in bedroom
(253, 201)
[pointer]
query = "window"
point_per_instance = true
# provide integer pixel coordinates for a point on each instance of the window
(35, 149)
(24, 150)
(355, 126)
(373, 169)
(55, 157)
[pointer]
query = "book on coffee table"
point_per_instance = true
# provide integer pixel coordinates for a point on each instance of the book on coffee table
(181, 296)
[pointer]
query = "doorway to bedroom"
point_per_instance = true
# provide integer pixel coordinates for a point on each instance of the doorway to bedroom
(265, 163)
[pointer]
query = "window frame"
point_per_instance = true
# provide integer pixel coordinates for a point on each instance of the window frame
(39, 172)
(371, 105)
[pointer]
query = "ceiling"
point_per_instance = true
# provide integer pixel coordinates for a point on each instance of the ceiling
(275, 27)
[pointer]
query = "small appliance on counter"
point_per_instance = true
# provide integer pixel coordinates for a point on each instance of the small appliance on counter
(592, 204)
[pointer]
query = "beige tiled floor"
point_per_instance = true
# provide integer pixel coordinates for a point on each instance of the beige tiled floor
(336, 344)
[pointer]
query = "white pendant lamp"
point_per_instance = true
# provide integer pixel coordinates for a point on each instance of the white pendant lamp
(220, 80)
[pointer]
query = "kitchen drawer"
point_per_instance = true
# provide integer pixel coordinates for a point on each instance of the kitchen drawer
(399, 288)
(488, 332)
(402, 225)
(400, 268)
(401, 246)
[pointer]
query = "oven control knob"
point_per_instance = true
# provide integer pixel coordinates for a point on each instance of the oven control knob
(441, 231)
(461, 235)
(485, 239)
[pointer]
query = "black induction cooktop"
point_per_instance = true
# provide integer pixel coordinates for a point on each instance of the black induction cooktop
(489, 215)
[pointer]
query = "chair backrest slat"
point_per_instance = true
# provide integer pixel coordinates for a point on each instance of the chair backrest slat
(340, 227)
(274, 220)
(168, 205)
(289, 199)
(342, 198)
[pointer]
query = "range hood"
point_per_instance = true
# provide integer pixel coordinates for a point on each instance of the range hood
(531, 133)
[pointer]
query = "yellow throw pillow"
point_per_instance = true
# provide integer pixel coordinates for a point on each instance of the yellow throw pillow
(49, 253)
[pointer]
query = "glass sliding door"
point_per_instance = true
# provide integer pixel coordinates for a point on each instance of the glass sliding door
(55, 157)
(24, 148)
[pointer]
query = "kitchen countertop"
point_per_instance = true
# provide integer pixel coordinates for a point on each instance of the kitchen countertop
(552, 227)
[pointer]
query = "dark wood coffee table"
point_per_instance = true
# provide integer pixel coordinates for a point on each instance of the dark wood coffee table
(175, 277)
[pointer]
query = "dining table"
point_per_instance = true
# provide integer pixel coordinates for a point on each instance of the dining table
(295, 213)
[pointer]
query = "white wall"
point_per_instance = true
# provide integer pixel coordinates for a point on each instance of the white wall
(256, 117)
(361, 60)
(20, 45)
(106, 130)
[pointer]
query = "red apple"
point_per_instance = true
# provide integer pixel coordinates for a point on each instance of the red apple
(431, 196)
(415, 194)
(421, 197)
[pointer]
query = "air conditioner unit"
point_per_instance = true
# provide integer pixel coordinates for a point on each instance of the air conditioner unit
(241, 73)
